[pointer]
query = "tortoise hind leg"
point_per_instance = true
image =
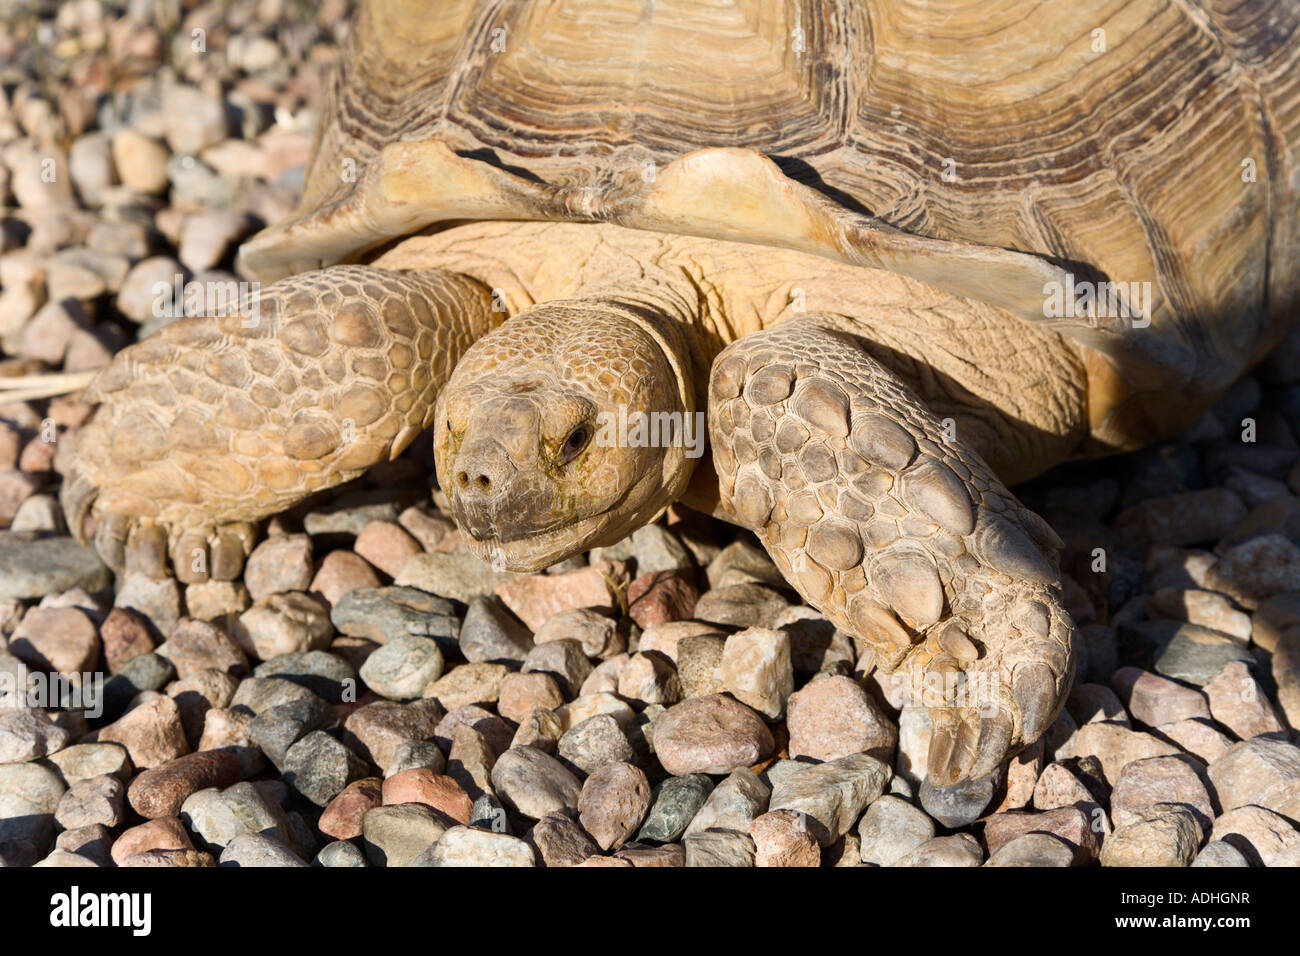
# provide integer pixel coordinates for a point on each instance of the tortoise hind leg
(900, 537)
(212, 424)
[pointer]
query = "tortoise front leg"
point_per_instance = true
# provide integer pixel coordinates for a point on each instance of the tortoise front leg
(212, 424)
(899, 536)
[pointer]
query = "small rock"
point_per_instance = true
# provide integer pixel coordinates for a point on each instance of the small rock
(286, 623)
(140, 161)
(1114, 745)
(440, 792)
(1198, 737)
(495, 731)
(756, 669)
(599, 635)
(1089, 702)
(327, 675)
(157, 600)
(1220, 853)
(385, 614)
(152, 733)
(387, 546)
(1069, 824)
(278, 728)
(95, 800)
(125, 635)
(1172, 780)
(490, 633)
(784, 838)
(256, 694)
(534, 783)
(319, 767)
(733, 804)
(162, 791)
(1254, 571)
(33, 569)
(221, 601)
(713, 734)
(676, 802)
(193, 646)
(739, 605)
(193, 120)
(1262, 772)
(470, 763)
(468, 846)
(402, 668)
(890, 830)
(231, 730)
(468, 684)
(30, 735)
(715, 848)
(217, 817)
(1190, 517)
(340, 853)
(535, 597)
(594, 743)
(613, 802)
(960, 849)
(458, 575)
(561, 842)
(341, 572)
(396, 835)
(660, 597)
(1260, 835)
(1161, 835)
(834, 793)
(81, 761)
(1206, 608)
(61, 639)
(164, 833)
(93, 842)
(258, 850)
(649, 679)
(1156, 700)
(1033, 849)
(589, 705)
(562, 659)
(342, 818)
(280, 563)
(699, 664)
(539, 728)
(833, 717)
(1238, 703)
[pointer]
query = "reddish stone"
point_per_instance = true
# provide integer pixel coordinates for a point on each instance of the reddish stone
(342, 817)
(661, 596)
(435, 790)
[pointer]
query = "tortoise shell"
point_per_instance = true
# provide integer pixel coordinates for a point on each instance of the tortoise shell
(1020, 154)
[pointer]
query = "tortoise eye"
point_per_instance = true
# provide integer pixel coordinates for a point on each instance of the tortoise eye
(574, 444)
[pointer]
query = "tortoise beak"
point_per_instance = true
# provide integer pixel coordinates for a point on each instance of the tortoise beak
(493, 498)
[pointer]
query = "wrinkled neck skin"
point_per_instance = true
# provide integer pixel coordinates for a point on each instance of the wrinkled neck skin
(572, 424)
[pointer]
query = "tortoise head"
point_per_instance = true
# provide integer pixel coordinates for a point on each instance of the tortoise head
(566, 428)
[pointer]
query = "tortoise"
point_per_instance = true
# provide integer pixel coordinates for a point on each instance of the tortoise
(898, 254)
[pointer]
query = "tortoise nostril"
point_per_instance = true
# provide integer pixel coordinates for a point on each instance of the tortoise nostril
(462, 479)
(484, 482)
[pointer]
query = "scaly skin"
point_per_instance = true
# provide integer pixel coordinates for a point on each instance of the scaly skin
(899, 535)
(212, 424)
